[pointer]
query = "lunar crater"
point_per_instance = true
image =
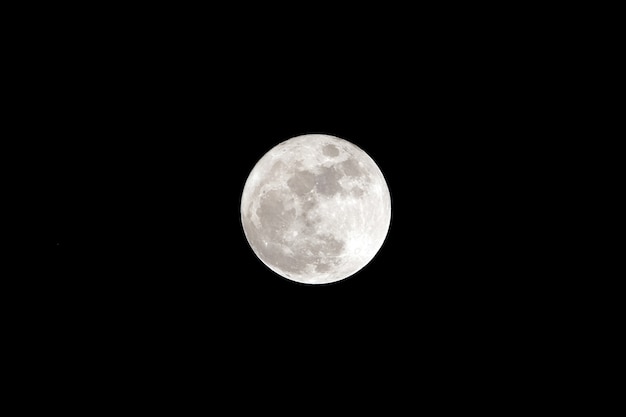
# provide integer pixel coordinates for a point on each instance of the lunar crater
(301, 182)
(330, 150)
(327, 181)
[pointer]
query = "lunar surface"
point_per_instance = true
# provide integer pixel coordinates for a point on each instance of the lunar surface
(315, 209)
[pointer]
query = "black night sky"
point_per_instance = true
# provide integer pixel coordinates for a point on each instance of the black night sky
(150, 132)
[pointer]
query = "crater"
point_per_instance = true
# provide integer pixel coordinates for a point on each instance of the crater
(322, 267)
(310, 223)
(327, 245)
(275, 212)
(308, 205)
(276, 169)
(357, 192)
(327, 182)
(330, 150)
(276, 255)
(332, 246)
(352, 168)
(301, 182)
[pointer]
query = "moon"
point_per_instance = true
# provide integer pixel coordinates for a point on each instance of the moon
(315, 209)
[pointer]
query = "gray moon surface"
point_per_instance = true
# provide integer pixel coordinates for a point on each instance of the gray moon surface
(316, 209)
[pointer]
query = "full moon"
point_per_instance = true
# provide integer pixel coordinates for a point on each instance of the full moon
(315, 209)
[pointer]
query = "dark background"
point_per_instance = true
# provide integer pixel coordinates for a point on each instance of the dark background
(146, 127)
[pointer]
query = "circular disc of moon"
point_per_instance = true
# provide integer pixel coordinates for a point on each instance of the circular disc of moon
(315, 209)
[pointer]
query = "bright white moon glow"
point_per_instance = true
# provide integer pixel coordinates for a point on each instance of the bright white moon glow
(316, 209)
